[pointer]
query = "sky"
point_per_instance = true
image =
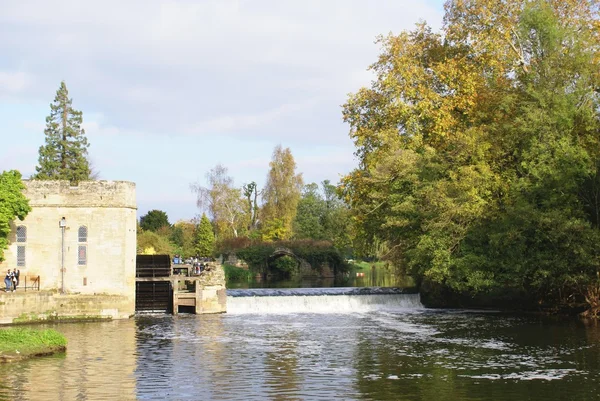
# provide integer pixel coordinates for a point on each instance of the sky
(170, 88)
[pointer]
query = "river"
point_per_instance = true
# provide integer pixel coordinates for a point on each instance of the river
(317, 345)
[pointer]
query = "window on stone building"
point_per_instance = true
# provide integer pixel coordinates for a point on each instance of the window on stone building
(82, 255)
(21, 255)
(21, 238)
(82, 234)
(21, 234)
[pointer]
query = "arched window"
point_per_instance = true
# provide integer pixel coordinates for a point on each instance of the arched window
(21, 239)
(82, 235)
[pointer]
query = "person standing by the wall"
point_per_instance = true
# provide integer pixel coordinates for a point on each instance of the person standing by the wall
(17, 274)
(8, 280)
(15, 279)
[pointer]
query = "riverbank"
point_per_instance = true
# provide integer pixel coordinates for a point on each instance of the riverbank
(21, 343)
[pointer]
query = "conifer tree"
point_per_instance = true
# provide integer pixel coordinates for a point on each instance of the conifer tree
(64, 156)
(205, 238)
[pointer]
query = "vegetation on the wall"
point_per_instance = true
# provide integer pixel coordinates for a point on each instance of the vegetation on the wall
(13, 205)
(65, 155)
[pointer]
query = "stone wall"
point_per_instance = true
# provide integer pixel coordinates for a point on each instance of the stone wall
(107, 210)
(35, 306)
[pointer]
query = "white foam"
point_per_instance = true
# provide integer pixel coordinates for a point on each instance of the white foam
(322, 303)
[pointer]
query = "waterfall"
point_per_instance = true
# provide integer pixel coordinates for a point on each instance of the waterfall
(320, 300)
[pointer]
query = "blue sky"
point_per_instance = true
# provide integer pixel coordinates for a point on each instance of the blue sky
(168, 89)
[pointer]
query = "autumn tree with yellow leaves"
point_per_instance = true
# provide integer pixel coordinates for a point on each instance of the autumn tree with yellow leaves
(478, 149)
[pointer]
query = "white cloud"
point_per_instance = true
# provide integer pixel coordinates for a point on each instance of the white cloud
(14, 82)
(179, 85)
(239, 122)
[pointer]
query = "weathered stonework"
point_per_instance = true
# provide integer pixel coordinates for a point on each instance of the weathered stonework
(39, 306)
(107, 210)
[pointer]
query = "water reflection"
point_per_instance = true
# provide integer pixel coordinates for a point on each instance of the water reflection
(99, 365)
(379, 355)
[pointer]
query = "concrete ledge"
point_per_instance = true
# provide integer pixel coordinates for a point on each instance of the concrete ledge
(38, 306)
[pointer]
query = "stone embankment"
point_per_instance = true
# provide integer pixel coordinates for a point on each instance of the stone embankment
(40, 306)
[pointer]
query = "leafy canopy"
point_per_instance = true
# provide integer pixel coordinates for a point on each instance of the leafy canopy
(13, 204)
(154, 220)
(478, 148)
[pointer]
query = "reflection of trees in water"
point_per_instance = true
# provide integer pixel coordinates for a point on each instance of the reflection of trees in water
(281, 367)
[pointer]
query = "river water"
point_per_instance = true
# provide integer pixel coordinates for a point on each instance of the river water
(317, 345)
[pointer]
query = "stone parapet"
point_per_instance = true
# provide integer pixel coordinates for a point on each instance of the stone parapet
(113, 194)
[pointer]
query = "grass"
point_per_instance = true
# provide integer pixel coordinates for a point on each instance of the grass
(20, 343)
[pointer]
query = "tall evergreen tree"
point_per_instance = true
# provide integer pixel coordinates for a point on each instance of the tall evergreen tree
(205, 238)
(64, 156)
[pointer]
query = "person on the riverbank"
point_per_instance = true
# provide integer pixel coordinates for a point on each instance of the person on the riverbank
(8, 280)
(16, 274)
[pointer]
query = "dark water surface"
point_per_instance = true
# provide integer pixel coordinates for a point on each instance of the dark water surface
(355, 349)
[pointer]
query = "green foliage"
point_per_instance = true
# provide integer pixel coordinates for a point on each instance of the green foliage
(205, 238)
(64, 156)
(154, 220)
(322, 215)
(479, 149)
(183, 237)
(260, 255)
(13, 204)
(237, 274)
(285, 266)
(310, 214)
(149, 242)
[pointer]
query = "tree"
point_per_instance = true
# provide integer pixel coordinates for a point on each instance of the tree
(251, 193)
(205, 238)
(310, 214)
(64, 156)
(154, 220)
(223, 202)
(150, 243)
(183, 235)
(13, 204)
(478, 148)
(282, 193)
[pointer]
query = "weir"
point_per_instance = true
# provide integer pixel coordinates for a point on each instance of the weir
(320, 300)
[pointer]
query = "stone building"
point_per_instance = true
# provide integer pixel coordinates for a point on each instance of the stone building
(88, 229)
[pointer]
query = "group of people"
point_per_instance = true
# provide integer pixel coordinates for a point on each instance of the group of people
(11, 281)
